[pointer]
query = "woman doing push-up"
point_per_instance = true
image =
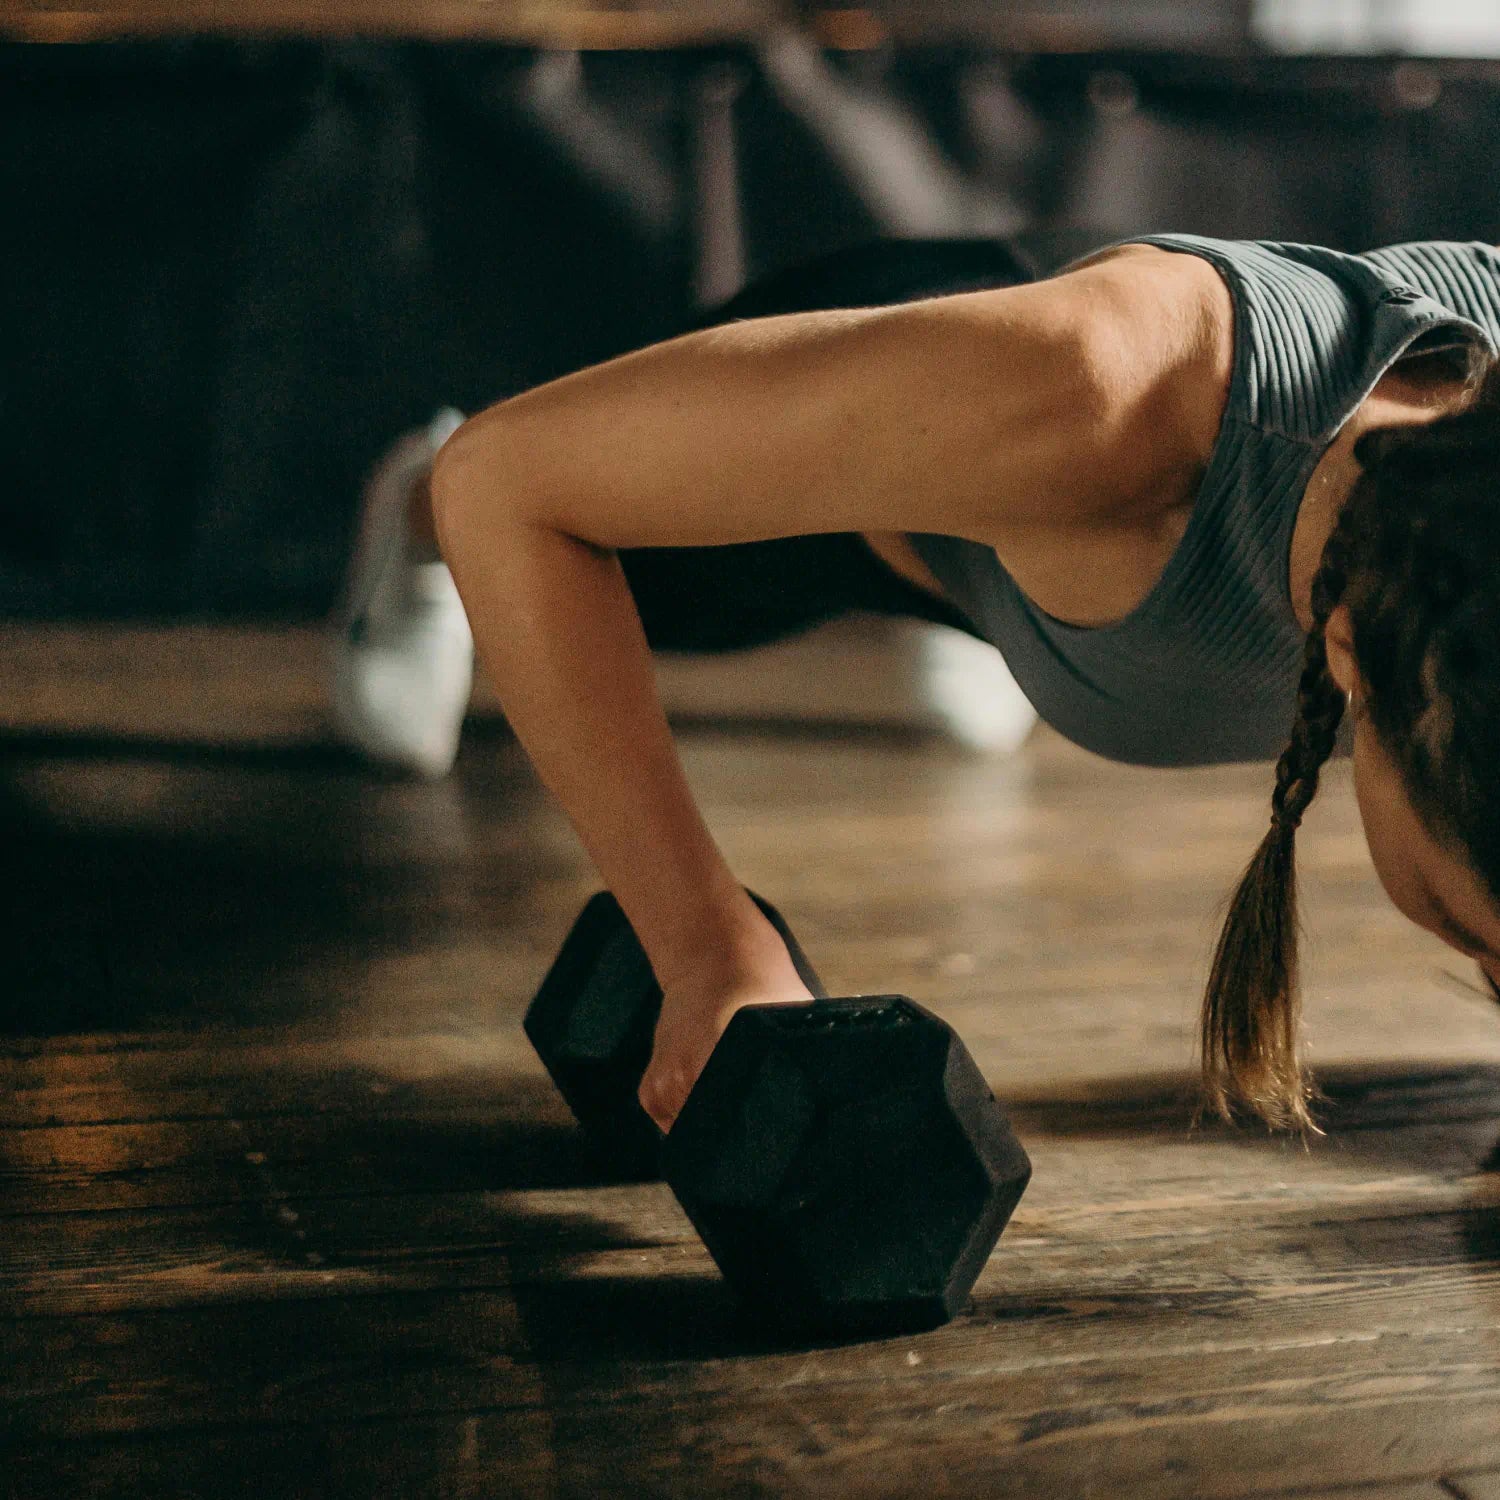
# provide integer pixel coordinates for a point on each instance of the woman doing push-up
(1209, 499)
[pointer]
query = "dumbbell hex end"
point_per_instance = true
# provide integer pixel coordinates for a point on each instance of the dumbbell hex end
(846, 1165)
(592, 1024)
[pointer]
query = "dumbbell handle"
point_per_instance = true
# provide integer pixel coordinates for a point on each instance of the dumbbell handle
(805, 971)
(598, 1068)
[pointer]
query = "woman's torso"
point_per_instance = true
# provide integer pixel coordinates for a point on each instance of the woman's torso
(1142, 553)
(1175, 636)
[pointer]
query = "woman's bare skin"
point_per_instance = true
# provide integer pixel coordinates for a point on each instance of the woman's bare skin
(1066, 423)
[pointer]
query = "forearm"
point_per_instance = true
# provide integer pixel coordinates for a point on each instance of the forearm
(563, 645)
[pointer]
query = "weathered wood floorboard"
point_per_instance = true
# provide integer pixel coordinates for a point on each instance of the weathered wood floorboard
(1422, 1490)
(1476, 1486)
(288, 1208)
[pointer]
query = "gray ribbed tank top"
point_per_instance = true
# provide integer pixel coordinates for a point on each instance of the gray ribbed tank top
(1205, 668)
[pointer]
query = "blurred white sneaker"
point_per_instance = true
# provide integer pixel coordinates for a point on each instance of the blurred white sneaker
(401, 653)
(861, 669)
(965, 683)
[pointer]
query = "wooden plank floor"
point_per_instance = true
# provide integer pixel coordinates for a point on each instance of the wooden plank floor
(290, 1210)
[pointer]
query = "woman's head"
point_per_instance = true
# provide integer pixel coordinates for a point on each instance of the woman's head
(1431, 878)
(1406, 635)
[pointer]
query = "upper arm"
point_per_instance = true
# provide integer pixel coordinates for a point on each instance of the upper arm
(1034, 406)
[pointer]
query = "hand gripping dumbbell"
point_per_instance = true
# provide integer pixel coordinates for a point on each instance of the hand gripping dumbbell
(844, 1161)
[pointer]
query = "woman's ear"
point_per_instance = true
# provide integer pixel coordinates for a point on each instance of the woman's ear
(1338, 640)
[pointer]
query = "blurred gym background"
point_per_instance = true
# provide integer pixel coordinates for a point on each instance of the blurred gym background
(244, 247)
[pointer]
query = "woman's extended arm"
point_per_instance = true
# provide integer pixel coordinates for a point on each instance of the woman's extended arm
(1034, 410)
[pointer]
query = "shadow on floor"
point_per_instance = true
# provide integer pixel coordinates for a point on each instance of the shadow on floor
(84, 745)
(483, 735)
(215, 886)
(1362, 1105)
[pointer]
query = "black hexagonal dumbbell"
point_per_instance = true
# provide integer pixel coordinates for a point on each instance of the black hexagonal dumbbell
(844, 1161)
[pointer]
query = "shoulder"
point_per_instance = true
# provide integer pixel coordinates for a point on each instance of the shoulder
(1157, 329)
(1156, 293)
(1312, 327)
(1163, 310)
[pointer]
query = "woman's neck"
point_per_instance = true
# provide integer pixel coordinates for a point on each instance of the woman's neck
(1409, 394)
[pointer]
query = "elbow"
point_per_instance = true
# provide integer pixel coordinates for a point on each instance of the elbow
(453, 485)
(472, 483)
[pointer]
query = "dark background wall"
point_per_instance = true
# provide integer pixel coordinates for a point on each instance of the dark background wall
(231, 271)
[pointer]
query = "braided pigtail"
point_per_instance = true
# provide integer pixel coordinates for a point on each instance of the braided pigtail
(1413, 557)
(1252, 1007)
